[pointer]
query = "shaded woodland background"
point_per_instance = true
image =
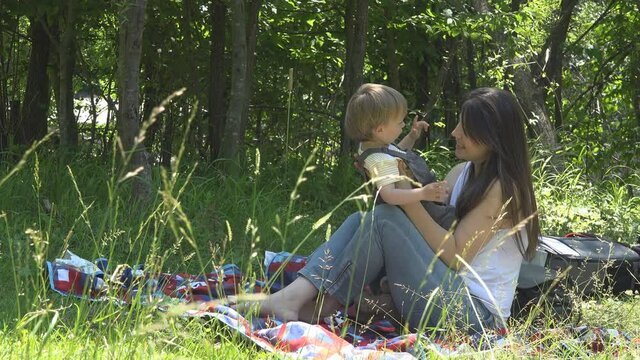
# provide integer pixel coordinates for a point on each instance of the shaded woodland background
(276, 75)
(190, 134)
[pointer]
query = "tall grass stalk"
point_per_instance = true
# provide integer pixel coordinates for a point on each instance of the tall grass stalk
(286, 142)
(197, 220)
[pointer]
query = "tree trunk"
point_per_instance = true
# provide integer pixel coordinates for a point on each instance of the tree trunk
(94, 120)
(187, 19)
(3, 125)
(151, 99)
(517, 4)
(217, 83)
(233, 141)
(130, 51)
(4, 144)
(3, 96)
(635, 80)
(430, 91)
(35, 108)
(151, 65)
(14, 116)
(393, 67)
(259, 127)
(448, 53)
(553, 51)
(531, 87)
(252, 30)
(167, 141)
(452, 91)
(471, 67)
(66, 54)
(9, 103)
(356, 23)
(106, 138)
(423, 81)
(54, 64)
(483, 7)
(532, 100)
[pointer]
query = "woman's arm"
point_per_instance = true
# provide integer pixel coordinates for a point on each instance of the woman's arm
(470, 234)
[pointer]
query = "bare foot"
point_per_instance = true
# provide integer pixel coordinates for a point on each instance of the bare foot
(268, 305)
(314, 311)
(284, 305)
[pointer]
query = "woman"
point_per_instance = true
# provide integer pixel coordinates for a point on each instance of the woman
(465, 277)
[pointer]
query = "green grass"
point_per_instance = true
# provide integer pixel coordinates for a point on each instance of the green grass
(177, 341)
(200, 218)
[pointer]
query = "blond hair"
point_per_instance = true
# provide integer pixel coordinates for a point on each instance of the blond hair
(372, 105)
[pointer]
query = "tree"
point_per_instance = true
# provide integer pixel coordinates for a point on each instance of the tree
(66, 57)
(393, 66)
(553, 50)
(243, 22)
(356, 24)
(129, 53)
(35, 107)
(217, 83)
(531, 83)
(572, 64)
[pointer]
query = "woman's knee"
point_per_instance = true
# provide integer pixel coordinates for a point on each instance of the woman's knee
(389, 216)
(389, 213)
(353, 218)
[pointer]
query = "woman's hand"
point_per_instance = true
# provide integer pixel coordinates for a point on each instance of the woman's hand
(436, 191)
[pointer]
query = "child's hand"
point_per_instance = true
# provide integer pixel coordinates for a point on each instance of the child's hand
(437, 191)
(417, 127)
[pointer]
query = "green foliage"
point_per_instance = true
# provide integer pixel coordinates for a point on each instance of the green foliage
(202, 217)
(571, 201)
(598, 88)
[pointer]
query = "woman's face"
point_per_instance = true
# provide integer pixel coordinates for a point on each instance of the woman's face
(467, 148)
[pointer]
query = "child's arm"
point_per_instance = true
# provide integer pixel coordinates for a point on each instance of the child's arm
(437, 191)
(417, 127)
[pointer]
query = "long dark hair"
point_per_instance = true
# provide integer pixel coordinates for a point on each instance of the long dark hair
(494, 118)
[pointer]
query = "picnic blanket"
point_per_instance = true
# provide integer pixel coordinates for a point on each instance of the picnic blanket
(336, 336)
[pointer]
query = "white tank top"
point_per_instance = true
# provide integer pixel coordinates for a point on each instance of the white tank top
(496, 265)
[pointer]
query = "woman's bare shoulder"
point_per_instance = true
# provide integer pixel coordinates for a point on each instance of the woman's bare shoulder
(494, 191)
(495, 204)
(454, 173)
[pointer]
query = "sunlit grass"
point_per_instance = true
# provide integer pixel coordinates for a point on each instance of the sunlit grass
(201, 218)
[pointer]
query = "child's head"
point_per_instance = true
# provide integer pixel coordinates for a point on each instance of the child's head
(372, 106)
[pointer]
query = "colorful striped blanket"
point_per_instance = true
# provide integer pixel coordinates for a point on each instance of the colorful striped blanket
(335, 337)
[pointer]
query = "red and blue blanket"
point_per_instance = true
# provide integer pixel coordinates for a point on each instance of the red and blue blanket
(335, 337)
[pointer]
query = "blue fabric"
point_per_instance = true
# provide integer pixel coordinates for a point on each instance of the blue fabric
(426, 292)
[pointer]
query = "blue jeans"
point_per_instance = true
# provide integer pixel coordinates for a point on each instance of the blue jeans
(426, 292)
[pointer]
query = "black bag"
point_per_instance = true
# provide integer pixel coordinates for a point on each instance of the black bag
(596, 265)
(549, 302)
(570, 267)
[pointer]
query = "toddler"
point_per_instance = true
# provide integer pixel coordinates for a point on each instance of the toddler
(375, 118)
